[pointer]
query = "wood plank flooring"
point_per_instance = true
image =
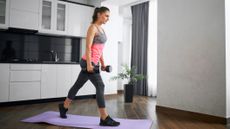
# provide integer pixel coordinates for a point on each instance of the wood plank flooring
(141, 108)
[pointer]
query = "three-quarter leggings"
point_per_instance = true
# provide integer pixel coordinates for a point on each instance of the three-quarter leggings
(95, 78)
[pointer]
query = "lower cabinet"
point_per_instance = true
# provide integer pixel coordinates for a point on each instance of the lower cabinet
(49, 81)
(24, 82)
(39, 81)
(63, 80)
(4, 82)
(24, 91)
(57, 79)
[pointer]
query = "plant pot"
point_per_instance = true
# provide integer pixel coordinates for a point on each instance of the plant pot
(128, 95)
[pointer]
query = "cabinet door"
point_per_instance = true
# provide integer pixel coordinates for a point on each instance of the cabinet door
(75, 20)
(4, 82)
(49, 81)
(25, 5)
(46, 16)
(63, 80)
(4, 14)
(61, 17)
(24, 91)
(86, 20)
(24, 14)
(79, 19)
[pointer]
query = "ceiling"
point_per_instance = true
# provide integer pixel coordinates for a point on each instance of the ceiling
(122, 2)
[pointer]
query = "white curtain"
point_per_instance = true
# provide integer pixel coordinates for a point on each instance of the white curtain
(152, 49)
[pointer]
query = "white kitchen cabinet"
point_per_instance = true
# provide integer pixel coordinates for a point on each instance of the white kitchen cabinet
(46, 15)
(63, 79)
(75, 19)
(87, 19)
(32, 67)
(24, 14)
(4, 14)
(53, 17)
(24, 82)
(79, 19)
(49, 81)
(4, 82)
(25, 76)
(24, 91)
(75, 70)
(39, 81)
(61, 17)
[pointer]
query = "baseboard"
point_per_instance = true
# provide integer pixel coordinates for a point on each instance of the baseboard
(26, 102)
(194, 115)
(120, 91)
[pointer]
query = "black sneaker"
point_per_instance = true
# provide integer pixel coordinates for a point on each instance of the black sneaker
(109, 122)
(62, 111)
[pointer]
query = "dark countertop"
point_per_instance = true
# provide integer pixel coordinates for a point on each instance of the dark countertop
(39, 62)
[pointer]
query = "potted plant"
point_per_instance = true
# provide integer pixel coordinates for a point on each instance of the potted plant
(132, 77)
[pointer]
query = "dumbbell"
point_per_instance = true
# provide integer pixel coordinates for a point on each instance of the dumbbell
(108, 68)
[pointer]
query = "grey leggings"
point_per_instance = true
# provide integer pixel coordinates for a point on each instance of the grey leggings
(95, 78)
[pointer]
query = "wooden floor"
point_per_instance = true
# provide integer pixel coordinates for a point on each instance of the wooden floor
(141, 108)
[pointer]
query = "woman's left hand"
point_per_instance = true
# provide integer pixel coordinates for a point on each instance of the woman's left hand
(103, 68)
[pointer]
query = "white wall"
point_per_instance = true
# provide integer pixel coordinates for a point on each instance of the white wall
(227, 36)
(124, 47)
(113, 31)
(191, 56)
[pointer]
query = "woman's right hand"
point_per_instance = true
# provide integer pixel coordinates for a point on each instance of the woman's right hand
(90, 68)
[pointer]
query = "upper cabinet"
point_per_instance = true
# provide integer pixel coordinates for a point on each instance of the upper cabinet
(53, 17)
(79, 19)
(4, 14)
(24, 14)
(47, 16)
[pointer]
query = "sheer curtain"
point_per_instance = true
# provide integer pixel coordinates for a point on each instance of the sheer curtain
(152, 49)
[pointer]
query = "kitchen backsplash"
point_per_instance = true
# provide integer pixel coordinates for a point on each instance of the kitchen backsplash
(22, 47)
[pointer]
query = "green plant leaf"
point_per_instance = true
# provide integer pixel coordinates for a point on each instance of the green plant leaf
(129, 74)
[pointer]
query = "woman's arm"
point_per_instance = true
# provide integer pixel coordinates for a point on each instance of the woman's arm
(102, 62)
(89, 40)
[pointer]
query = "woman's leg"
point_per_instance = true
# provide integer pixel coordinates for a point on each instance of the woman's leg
(105, 120)
(96, 79)
(81, 80)
(63, 108)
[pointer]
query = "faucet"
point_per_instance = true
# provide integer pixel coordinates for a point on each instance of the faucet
(54, 56)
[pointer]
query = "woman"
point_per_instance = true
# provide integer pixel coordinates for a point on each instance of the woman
(95, 41)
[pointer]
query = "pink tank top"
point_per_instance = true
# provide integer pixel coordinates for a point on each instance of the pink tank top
(97, 47)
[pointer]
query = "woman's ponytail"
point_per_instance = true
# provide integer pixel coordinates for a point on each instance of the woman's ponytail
(98, 10)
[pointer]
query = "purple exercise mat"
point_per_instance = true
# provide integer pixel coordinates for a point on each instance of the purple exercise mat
(53, 118)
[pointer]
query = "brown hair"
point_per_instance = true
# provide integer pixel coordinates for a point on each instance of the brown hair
(98, 10)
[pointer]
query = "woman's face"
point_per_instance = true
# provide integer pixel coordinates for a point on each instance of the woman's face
(103, 17)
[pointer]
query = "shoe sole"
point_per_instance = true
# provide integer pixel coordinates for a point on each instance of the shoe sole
(108, 125)
(63, 117)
